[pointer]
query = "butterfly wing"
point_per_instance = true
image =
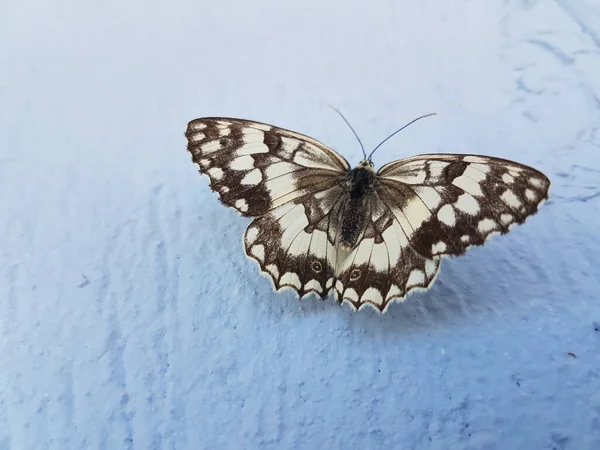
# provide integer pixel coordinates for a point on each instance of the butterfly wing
(431, 206)
(294, 243)
(383, 266)
(255, 167)
(292, 184)
(447, 203)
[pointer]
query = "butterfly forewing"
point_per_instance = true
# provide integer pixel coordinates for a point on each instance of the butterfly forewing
(255, 167)
(447, 203)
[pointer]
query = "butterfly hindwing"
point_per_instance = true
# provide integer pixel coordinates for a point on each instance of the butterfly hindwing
(447, 203)
(383, 266)
(293, 243)
(255, 167)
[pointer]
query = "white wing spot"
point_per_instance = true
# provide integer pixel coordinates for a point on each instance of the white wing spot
(436, 169)
(511, 199)
(430, 196)
(282, 190)
(430, 267)
(416, 213)
(392, 241)
(372, 295)
(273, 270)
(536, 182)
(329, 283)
(292, 224)
(474, 159)
(224, 189)
(280, 168)
(416, 278)
(291, 279)
(253, 134)
(198, 126)
(438, 248)
(467, 204)
(351, 294)
(508, 178)
(216, 173)
(314, 285)
(252, 178)
(253, 147)
(242, 163)
(514, 171)
(483, 169)
(471, 178)
(251, 234)
(210, 147)
(394, 291)
(468, 185)
(486, 225)
(197, 137)
(364, 251)
(241, 204)
(225, 131)
(258, 251)
(204, 163)
(506, 218)
(379, 257)
(465, 238)
(300, 244)
(446, 215)
(530, 194)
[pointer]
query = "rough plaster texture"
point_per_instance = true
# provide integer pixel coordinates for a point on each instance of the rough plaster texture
(129, 316)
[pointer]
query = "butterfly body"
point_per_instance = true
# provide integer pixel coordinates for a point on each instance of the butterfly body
(360, 184)
(320, 226)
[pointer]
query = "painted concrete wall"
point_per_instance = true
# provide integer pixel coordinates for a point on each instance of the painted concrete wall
(129, 316)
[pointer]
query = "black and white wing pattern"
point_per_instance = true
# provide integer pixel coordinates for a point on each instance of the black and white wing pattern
(427, 207)
(447, 203)
(255, 167)
(383, 266)
(320, 226)
(290, 182)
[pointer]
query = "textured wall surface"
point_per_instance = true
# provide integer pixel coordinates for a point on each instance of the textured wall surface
(129, 315)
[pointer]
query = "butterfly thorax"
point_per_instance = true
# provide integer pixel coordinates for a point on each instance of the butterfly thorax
(354, 212)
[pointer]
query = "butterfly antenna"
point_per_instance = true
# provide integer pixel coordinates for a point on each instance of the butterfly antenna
(398, 131)
(348, 123)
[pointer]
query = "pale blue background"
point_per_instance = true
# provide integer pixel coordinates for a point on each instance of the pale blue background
(129, 316)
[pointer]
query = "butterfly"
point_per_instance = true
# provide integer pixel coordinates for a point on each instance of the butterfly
(370, 237)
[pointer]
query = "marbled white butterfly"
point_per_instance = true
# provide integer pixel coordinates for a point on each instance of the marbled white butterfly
(370, 237)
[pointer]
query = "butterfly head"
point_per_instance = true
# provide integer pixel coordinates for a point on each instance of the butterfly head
(366, 164)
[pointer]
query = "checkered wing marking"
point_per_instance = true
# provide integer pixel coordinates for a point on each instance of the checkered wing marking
(256, 168)
(383, 266)
(294, 243)
(446, 203)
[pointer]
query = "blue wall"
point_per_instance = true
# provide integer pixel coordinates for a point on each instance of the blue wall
(129, 316)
